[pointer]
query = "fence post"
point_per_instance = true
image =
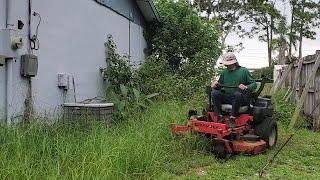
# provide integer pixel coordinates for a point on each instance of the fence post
(296, 77)
(305, 91)
(316, 121)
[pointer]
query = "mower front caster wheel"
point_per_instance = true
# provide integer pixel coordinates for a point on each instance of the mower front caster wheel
(220, 151)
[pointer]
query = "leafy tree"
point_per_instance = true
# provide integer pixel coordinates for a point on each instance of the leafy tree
(282, 41)
(183, 51)
(182, 34)
(292, 33)
(231, 14)
(266, 71)
(264, 15)
(306, 17)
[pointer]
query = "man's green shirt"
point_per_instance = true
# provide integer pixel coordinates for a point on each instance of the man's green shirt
(240, 75)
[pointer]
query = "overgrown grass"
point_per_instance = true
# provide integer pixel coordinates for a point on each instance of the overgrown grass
(143, 148)
(284, 110)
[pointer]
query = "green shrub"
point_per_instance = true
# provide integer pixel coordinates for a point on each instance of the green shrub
(184, 48)
(267, 71)
(155, 77)
(118, 69)
(183, 34)
(123, 89)
(151, 75)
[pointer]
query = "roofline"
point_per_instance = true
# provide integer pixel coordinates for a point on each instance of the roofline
(148, 4)
(112, 9)
(155, 11)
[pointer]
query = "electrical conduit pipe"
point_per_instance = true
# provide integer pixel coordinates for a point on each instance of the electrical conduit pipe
(3, 14)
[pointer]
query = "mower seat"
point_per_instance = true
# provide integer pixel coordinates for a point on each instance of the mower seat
(228, 108)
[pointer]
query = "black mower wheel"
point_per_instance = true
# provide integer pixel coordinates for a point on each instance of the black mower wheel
(192, 113)
(220, 151)
(268, 131)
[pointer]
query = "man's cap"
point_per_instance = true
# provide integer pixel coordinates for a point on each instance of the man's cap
(228, 59)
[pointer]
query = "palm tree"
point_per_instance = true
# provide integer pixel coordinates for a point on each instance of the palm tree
(281, 43)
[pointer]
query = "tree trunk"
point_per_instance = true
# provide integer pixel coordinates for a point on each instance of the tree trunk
(301, 36)
(291, 30)
(269, 56)
(282, 55)
(269, 30)
(300, 44)
(270, 41)
(269, 47)
(223, 40)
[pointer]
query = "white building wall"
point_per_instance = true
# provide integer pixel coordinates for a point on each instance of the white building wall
(138, 44)
(72, 35)
(15, 87)
(2, 14)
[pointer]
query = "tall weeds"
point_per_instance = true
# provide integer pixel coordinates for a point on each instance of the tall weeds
(141, 147)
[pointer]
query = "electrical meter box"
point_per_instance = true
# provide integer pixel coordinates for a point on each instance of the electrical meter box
(63, 80)
(29, 65)
(2, 61)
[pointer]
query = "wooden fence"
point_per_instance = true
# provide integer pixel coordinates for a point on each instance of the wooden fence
(311, 106)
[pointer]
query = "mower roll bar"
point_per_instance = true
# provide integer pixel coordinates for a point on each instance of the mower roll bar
(262, 81)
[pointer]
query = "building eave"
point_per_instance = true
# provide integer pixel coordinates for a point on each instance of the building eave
(148, 10)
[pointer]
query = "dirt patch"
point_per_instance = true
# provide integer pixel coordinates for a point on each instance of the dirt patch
(201, 171)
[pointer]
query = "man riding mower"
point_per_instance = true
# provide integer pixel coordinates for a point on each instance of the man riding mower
(237, 120)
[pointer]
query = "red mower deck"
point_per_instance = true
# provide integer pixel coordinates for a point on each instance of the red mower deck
(220, 133)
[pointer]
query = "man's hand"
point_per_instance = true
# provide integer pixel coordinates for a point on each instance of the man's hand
(243, 87)
(214, 84)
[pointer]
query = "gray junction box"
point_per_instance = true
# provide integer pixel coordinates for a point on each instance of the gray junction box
(29, 65)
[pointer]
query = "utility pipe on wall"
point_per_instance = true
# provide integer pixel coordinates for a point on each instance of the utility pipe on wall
(3, 13)
(9, 81)
(7, 13)
(129, 40)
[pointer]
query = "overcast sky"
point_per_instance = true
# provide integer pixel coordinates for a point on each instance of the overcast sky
(254, 54)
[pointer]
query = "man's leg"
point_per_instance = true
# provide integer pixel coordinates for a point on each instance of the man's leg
(217, 99)
(238, 100)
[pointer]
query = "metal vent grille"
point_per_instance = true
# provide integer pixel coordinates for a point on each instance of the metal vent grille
(88, 113)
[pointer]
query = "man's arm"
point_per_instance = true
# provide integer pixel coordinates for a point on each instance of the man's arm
(221, 79)
(214, 84)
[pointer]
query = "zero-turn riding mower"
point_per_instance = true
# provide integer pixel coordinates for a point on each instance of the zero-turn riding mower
(253, 131)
